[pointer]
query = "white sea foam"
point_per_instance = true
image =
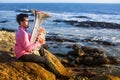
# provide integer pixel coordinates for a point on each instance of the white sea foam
(91, 17)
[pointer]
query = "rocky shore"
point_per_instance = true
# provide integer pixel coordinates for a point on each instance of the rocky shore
(83, 63)
(90, 24)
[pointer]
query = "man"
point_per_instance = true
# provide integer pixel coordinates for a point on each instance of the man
(23, 48)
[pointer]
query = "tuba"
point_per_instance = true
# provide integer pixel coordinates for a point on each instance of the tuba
(39, 19)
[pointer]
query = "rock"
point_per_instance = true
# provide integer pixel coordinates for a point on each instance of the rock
(24, 71)
(60, 55)
(100, 60)
(59, 39)
(75, 56)
(82, 17)
(53, 64)
(4, 56)
(7, 40)
(64, 61)
(4, 21)
(90, 24)
(99, 57)
(88, 61)
(113, 77)
(90, 50)
(89, 56)
(77, 51)
(9, 30)
(107, 77)
(113, 60)
(106, 43)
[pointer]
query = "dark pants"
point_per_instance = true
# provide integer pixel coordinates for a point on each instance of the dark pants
(32, 58)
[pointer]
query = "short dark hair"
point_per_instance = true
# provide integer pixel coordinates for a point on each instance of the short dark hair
(20, 17)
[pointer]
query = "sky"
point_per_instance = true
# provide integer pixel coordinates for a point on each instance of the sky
(57, 1)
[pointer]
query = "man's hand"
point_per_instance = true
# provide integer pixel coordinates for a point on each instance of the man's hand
(41, 31)
(42, 41)
(41, 35)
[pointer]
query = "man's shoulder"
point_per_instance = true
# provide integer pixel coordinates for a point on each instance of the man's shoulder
(21, 32)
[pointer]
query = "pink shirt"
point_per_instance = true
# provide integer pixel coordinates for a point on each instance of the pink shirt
(23, 45)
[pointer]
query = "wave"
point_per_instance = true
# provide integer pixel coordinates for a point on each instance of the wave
(87, 17)
(24, 10)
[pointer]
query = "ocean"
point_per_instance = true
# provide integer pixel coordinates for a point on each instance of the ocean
(61, 22)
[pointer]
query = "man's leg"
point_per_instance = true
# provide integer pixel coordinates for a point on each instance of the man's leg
(41, 51)
(32, 58)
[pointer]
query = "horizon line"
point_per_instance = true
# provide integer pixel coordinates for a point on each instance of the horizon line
(65, 2)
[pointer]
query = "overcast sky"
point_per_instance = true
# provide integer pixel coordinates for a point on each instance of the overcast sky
(65, 1)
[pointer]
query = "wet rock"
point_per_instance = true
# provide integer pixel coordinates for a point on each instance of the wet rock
(31, 20)
(106, 77)
(90, 24)
(90, 50)
(82, 17)
(4, 21)
(58, 20)
(100, 42)
(99, 57)
(75, 56)
(54, 38)
(59, 39)
(88, 73)
(77, 51)
(88, 61)
(9, 30)
(69, 46)
(113, 60)
(104, 42)
(89, 56)
(60, 55)
(100, 60)
(64, 61)
(80, 78)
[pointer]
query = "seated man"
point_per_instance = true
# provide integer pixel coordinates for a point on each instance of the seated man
(23, 48)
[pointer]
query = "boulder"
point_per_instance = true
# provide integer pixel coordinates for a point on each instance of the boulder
(89, 56)
(54, 65)
(24, 71)
(76, 52)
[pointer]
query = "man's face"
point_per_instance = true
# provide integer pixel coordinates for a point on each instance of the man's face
(25, 23)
